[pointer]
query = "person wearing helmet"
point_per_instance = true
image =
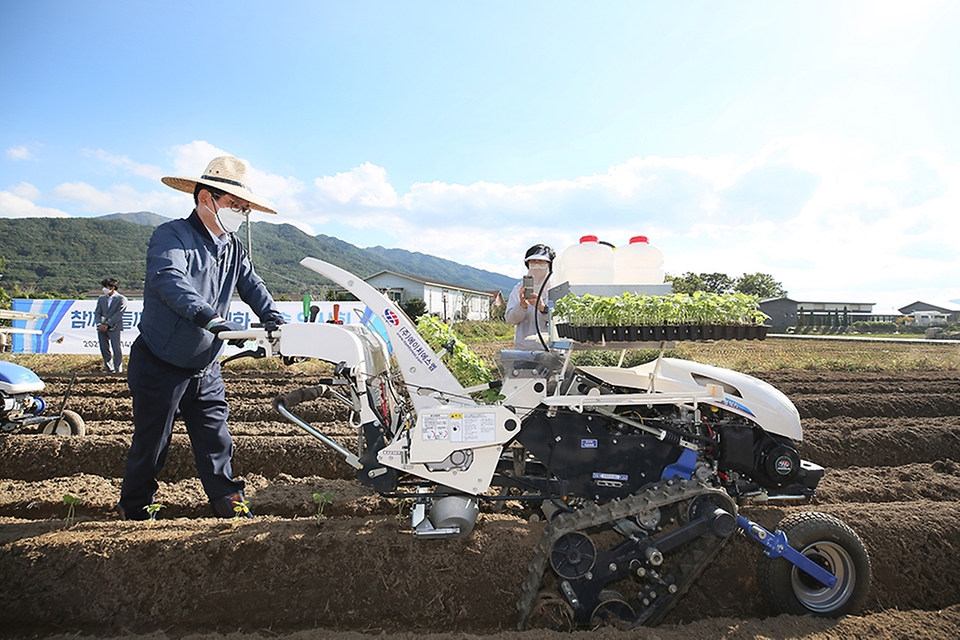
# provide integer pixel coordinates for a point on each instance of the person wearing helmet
(525, 308)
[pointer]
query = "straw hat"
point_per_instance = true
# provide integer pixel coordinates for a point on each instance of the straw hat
(225, 173)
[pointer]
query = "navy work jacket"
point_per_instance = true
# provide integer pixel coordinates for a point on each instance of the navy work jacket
(187, 284)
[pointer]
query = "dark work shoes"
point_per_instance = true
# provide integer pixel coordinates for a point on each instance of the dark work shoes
(137, 514)
(234, 505)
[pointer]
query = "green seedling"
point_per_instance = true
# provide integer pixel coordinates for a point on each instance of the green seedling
(401, 503)
(322, 500)
(153, 509)
(241, 508)
(676, 309)
(71, 502)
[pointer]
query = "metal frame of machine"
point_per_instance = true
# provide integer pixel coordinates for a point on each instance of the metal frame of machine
(660, 455)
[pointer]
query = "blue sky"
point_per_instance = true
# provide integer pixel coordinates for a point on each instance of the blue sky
(815, 141)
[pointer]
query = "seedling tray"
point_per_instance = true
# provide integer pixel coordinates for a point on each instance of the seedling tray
(664, 332)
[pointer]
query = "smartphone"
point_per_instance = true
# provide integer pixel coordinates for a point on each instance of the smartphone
(528, 286)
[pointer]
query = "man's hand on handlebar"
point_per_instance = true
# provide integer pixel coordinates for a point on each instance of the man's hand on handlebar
(218, 325)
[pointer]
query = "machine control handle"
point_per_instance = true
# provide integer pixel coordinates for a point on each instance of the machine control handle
(297, 396)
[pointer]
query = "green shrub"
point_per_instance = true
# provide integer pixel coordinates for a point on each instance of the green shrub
(467, 367)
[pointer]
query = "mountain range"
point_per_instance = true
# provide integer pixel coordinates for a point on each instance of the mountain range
(70, 256)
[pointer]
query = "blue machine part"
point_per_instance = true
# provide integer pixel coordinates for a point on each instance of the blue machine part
(683, 467)
(374, 323)
(15, 379)
(777, 546)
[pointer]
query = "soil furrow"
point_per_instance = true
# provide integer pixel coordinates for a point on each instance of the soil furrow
(890, 443)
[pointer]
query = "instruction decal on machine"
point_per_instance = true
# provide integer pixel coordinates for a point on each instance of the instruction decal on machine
(617, 477)
(459, 427)
(420, 350)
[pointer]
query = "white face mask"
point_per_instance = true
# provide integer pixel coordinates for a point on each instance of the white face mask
(228, 220)
(538, 271)
(106, 290)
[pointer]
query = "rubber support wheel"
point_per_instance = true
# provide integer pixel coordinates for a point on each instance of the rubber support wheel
(835, 547)
(71, 424)
(613, 611)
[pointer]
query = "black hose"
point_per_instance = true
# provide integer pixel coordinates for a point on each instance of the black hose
(536, 311)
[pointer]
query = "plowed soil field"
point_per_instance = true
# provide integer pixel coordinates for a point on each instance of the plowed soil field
(890, 442)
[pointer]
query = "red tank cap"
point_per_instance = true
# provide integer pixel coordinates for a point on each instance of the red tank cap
(588, 239)
(636, 239)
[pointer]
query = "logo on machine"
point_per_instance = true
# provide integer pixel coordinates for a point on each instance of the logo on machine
(611, 476)
(784, 465)
(391, 317)
(733, 404)
(588, 443)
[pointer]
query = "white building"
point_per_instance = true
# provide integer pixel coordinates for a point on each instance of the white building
(448, 302)
(927, 314)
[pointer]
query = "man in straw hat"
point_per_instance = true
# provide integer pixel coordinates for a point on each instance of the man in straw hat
(193, 267)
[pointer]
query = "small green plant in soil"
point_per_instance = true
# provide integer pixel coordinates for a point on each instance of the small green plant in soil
(71, 502)
(322, 500)
(153, 510)
(401, 504)
(241, 509)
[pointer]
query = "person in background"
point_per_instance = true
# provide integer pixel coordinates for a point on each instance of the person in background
(193, 267)
(525, 309)
(110, 309)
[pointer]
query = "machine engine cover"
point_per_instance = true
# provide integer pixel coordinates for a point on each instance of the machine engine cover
(592, 462)
(15, 379)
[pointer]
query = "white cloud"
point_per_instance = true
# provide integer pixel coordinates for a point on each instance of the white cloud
(826, 217)
(126, 164)
(286, 194)
(366, 185)
(19, 153)
(821, 215)
(26, 190)
(19, 203)
(192, 158)
(120, 199)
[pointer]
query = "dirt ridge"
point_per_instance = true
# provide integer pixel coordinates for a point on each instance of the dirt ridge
(890, 442)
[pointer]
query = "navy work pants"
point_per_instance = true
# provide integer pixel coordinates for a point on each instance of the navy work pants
(158, 393)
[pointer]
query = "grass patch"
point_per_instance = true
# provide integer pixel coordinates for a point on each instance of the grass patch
(473, 331)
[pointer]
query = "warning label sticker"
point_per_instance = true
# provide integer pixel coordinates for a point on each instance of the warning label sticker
(460, 427)
(436, 426)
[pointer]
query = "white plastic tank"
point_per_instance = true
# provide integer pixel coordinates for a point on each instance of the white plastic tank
(589, 262)
(638, 262)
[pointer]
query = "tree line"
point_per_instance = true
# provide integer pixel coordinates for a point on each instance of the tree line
(762, 285)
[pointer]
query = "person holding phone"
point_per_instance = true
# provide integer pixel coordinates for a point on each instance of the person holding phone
(525, 307)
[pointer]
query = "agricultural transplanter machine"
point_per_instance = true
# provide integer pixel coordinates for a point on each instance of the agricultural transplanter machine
(20, 406)
(640, 471)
